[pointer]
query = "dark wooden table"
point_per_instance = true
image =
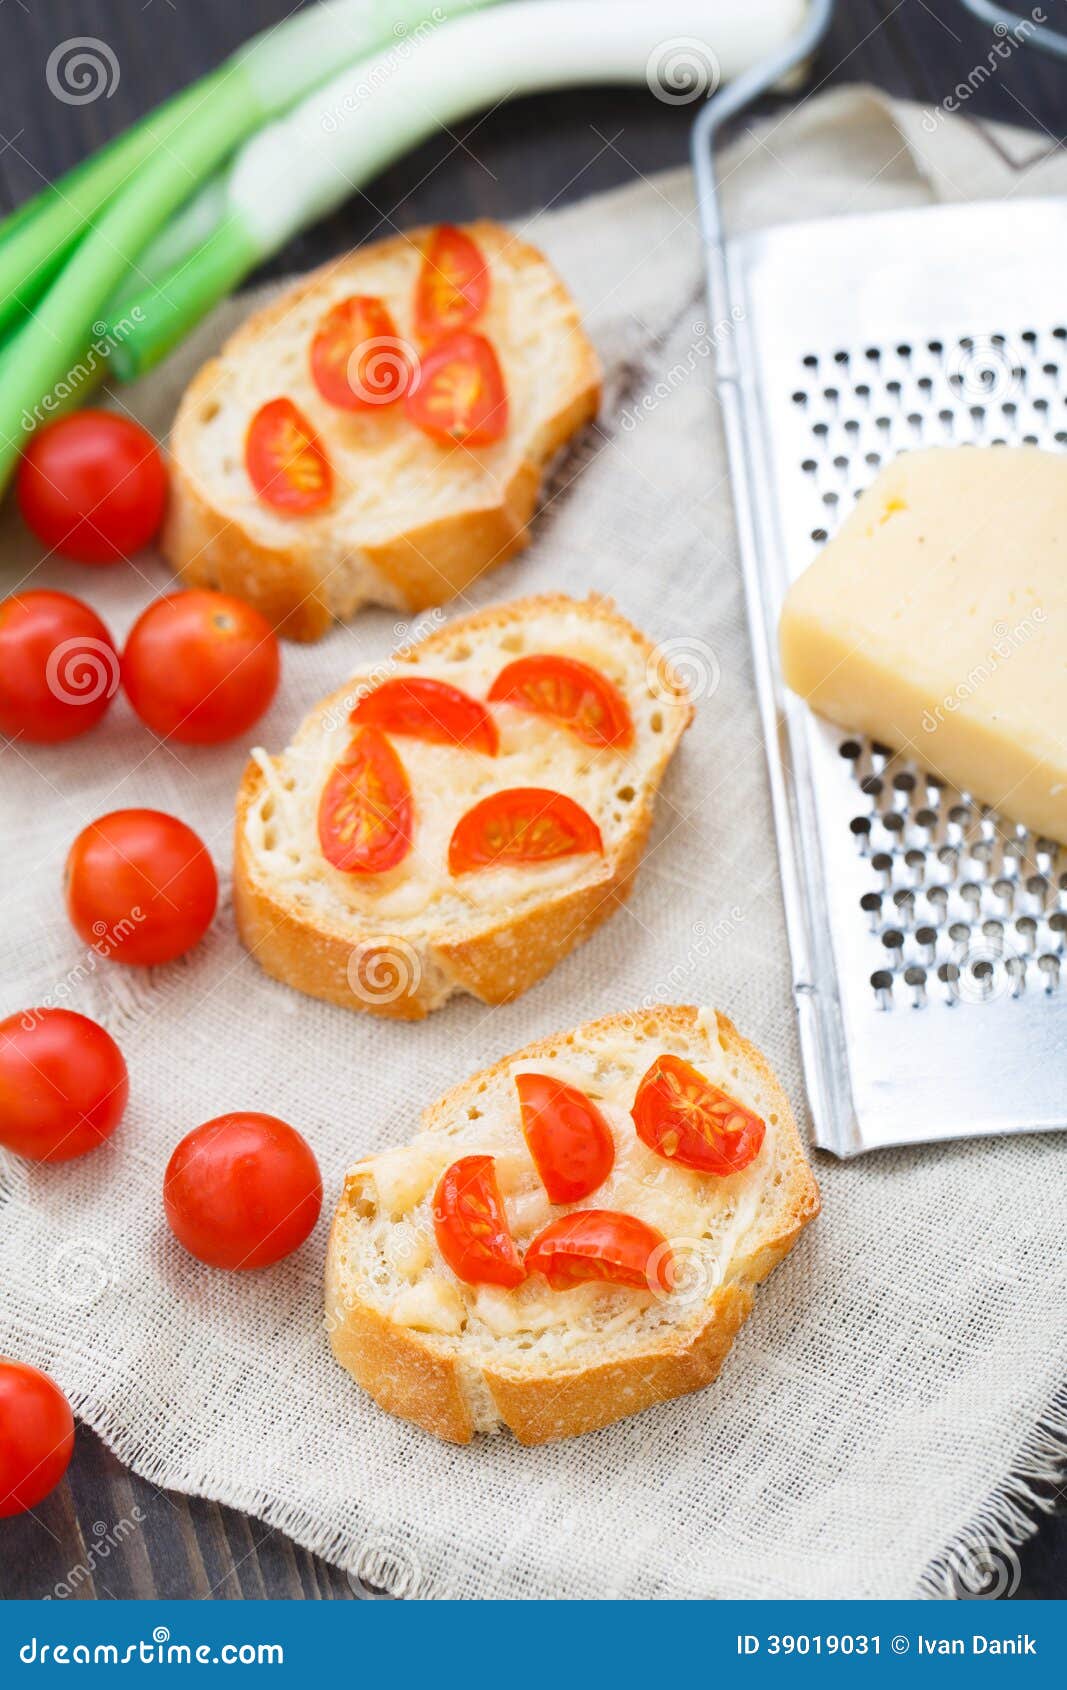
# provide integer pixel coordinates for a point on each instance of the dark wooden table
(552, 148)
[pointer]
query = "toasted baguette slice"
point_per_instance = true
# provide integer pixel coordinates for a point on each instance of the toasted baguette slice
(400, 943)
(412, 522)
(458, 1359)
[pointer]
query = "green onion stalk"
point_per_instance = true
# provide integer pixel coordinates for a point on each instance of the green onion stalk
(36, 239)
(252, 88)
(306, 164)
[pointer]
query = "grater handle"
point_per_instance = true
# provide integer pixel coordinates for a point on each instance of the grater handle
(723, 105)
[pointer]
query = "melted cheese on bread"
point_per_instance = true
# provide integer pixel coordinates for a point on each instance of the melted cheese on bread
(446, 781)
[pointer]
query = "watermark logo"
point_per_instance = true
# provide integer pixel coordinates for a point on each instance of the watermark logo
(385, 1572)
(984, 1574)
(82, 69)
(82, 670)
(1007, 640)
(1006, 38)
(682, 69)
(79, 1273)
(383, 972)
(687, 661)
(704, 342)
(379, 70)
(984, 367)
(382, 370)
(685, 1270)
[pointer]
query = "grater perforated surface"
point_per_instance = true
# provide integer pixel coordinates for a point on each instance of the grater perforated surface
(928, 933)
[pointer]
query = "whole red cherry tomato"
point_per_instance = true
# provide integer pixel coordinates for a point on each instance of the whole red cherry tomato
(141, 887)
(200, 666)
(92, 486)
(242, 1191)
(63, 1084)
(36, 1436)
(59, 669)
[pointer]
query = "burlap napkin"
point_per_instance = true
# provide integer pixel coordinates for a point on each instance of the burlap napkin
(888, 1407)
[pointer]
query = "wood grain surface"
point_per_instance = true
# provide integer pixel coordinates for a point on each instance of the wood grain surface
(105, 1532)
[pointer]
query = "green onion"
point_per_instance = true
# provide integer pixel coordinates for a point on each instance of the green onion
(308, 163)
(258, 82)
(37, 238)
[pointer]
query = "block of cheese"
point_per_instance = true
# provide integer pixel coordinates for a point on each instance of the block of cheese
(936, 622)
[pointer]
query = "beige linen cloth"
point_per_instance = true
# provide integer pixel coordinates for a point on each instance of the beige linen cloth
(891, 1405)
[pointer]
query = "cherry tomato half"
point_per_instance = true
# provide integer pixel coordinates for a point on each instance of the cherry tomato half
(366, 812)
(92, 486)
(459, 396)
(242, 1191)
(59, 669)
(453, 283)
(602, 1244)
(568, 1136)
(574, 693)
(431, 710)
(522, 824)
(286, 462)
(358, 360)
(471, 1227)
(141, 887)
(200, 667)
(680, 1115)
(63, 1084)
(36, 1436)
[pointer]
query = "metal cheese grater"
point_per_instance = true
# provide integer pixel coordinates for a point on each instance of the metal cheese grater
(928, 934)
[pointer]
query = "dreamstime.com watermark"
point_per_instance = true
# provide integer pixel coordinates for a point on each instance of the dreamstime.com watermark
(102, 1541)
(88, 369)
(108, 938)
(410, 634)
(1006, 38)
(704, 343)
(1007, 641)
(158, 1650)
(382, 68)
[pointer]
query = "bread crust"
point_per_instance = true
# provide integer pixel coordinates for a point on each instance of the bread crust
(424, 565)
(496, 960)
(411, 1375)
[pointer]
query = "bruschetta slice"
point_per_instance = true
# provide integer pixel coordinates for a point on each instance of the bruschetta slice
(378, 433)
(468, 1290)
(459, 818)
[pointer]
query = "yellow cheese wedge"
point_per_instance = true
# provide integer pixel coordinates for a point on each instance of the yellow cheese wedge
(936, 622)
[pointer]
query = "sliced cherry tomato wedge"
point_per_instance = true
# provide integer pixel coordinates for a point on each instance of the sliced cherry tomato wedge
(453, 284)
(680, 1115)
(471, 1226)
(429, 709)
(569, 1138)
(366, 812)
(286, 462)
(573, 692)
(459, 394)
(358, 360)
(522, 824)
(602, 1244)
